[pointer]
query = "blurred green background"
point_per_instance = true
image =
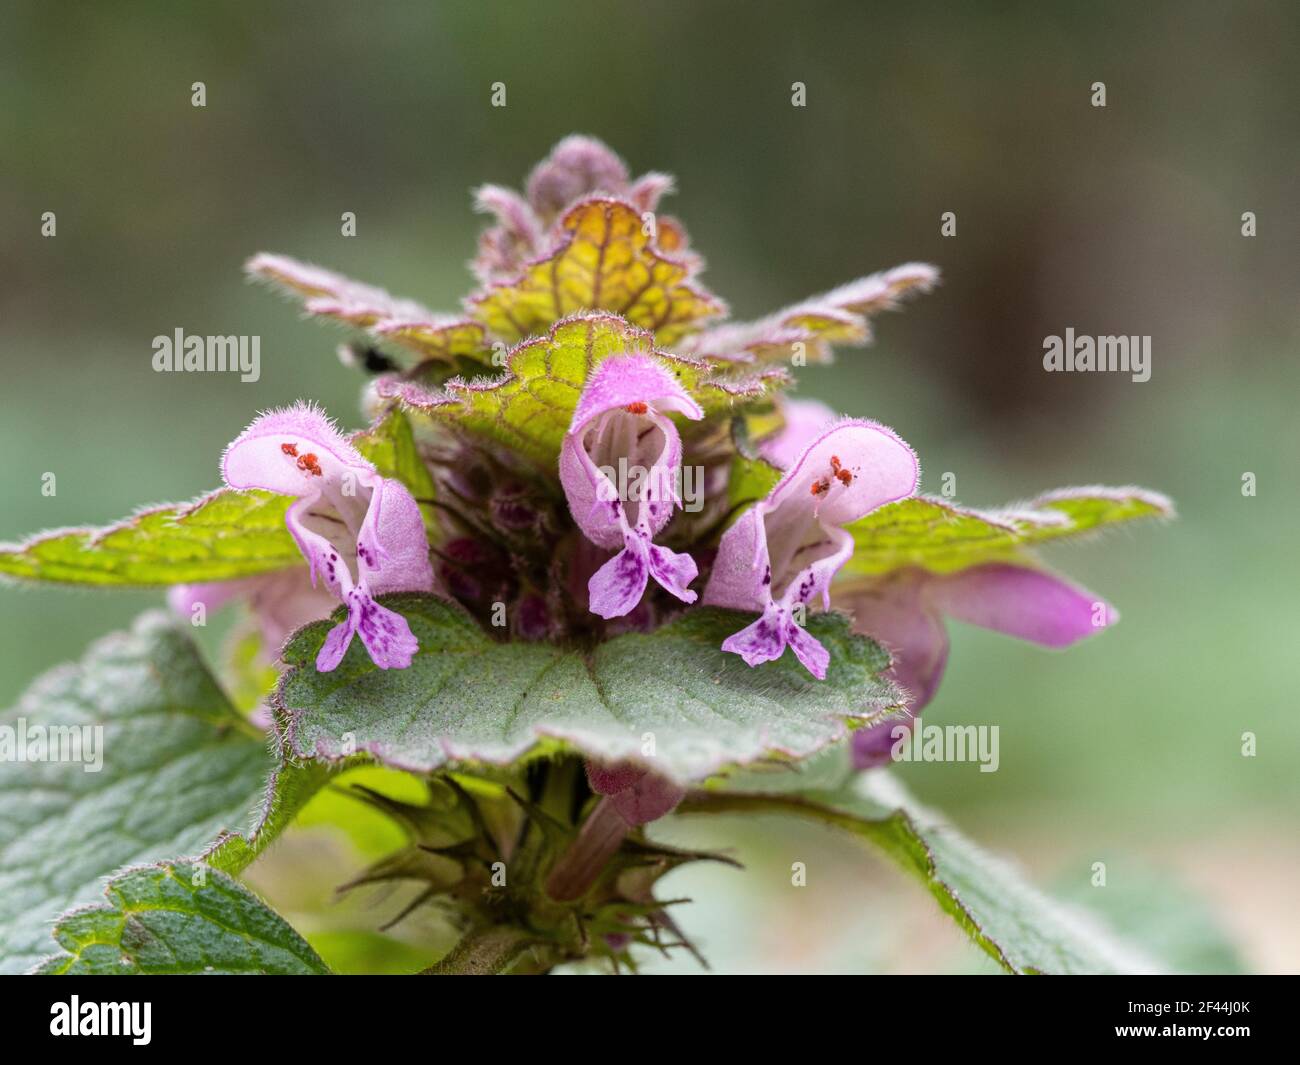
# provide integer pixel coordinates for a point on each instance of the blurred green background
(1125, 220)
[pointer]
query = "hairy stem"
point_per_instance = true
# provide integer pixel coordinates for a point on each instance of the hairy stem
(484, 952)
(579, 866)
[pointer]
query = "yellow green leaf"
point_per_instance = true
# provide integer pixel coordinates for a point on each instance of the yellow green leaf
(607, 263)
(529, 408)
(223, 535)
(943, 537)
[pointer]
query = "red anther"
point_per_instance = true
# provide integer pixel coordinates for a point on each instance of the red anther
(289, 449)
(636, 408)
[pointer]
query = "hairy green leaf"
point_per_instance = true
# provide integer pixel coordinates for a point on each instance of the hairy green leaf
(179, 918)
(943, 538)
(390, 446)
(750, 481)
(1022, 929)
(179, 769)
(529, 408)
(1160, 913)
(607, 262)
(224, 535)
(671, 697)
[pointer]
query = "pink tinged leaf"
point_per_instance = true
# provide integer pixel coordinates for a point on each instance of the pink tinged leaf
(512, 212)
(577, 166)
(840, 316)
(325, 292)
(1029, 604)
(516, 238)
(647, 190)
(882, 291)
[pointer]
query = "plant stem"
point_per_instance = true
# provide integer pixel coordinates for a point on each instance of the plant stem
(579, 866)
(484, 952)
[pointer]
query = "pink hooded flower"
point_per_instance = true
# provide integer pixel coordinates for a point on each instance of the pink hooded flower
(346, 515)
(905, 611)
(619, 466)
(784, 551)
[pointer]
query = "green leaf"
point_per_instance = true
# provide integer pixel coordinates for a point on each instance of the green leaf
(224, 535)
(286, 792)
(180, 769)
(248, 670)
(750, 480)
(529, 408)
(1022, 929)
(469, 698)
(1162, 915)
(179, 918)
(390, 446)
(1090, 509)
(943, 538)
